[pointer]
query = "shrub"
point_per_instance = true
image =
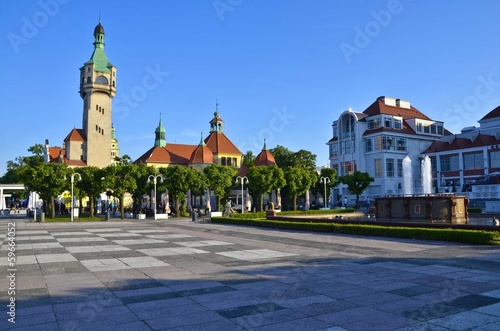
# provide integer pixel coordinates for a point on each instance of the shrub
(478, 237)
(474, 210)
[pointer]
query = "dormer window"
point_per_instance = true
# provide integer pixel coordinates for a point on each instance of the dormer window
(398, 124)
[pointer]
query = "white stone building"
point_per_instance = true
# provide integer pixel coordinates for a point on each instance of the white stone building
(377, 140)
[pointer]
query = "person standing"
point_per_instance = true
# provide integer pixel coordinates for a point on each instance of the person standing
(345, 202)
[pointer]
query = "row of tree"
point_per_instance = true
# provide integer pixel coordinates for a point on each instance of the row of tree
(294, 174)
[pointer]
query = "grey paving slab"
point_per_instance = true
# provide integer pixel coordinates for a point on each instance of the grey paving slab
(183, 275)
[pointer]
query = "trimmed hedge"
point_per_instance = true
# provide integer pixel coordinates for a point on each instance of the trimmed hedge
(478, 237)
(262, 214)
(475, 210)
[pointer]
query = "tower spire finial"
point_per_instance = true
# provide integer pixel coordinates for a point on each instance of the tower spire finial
(99, 14)
(202, 142)
(216, 114)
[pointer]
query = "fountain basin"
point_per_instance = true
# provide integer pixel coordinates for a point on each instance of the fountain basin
(450, 209)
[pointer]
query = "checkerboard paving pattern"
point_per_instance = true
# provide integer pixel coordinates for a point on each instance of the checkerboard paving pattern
(184, 275)
(140, 248)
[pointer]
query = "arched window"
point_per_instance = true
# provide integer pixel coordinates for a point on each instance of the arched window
(89, 80)
(101, 80)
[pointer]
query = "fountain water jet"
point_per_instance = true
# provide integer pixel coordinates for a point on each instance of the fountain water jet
(426, 175)
(407, 177)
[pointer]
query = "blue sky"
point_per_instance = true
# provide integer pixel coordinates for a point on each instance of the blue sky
(280, 70)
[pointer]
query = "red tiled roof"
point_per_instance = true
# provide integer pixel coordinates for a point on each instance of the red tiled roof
(216, 120)
(54, 153)
(76, 135)
(462, 143)
(265, 158)
(202, 154)
(243, 170)
(57, 153)
(219, 143)
(75, 163)
(379, 107)
(170, 154)
(495, 113)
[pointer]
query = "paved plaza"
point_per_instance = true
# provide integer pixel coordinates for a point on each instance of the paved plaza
(182, 275)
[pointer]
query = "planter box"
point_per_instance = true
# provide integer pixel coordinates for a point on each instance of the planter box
(141, 216)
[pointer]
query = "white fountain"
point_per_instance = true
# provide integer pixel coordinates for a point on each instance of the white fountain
(407, 176)
(426, 175)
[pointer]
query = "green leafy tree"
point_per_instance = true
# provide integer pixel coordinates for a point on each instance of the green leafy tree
(13, 167)
(298, 181)
(286, 158)
(176, 180)
(91, 184)
(283, 156)
(198, 182)
(357, 182)
(248, 159)
(220, 179)
(142, 172)
(47, 179)
(263, 180)
(120, 179)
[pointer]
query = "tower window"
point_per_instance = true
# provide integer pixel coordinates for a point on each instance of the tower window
(89, 80)
(101, 80)
(96, 128)
(96, 107)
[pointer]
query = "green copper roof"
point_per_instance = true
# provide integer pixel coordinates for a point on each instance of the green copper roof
(99, 58)
(160, 135)
(202, 142)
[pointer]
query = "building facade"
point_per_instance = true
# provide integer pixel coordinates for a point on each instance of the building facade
(215, 148)
(470, 157)
(377, 141)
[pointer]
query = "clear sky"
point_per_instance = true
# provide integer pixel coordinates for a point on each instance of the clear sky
(280, 70)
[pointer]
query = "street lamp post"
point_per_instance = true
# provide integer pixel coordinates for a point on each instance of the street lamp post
(154, 177)
(72, 186)
(240, 179)
(324, 180)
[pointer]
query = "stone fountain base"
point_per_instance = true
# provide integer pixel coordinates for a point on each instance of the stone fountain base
(422, 208)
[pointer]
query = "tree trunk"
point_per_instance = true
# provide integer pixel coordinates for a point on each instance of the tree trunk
(53, 210)
(122, 207)
(91, 206)
(261, 201)
(295, 202)
(177, 207)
